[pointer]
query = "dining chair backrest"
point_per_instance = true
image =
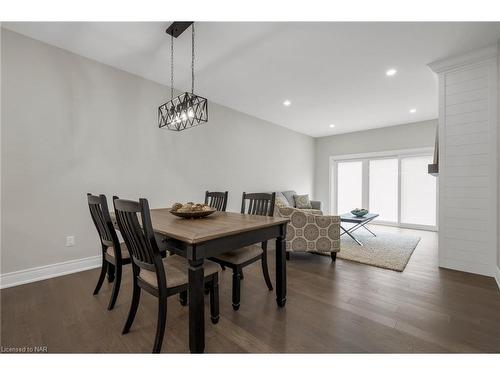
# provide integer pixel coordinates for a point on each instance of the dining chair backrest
(99, 212)
(258, 203)
(134, 222)
(216, 199)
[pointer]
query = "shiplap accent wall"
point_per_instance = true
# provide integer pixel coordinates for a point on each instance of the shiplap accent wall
(468, 220)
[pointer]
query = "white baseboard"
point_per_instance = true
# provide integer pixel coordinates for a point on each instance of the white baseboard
(30, 275)
(497, 277)
(484, 270)
(470, 267)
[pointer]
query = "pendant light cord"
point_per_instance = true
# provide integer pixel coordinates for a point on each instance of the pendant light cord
(171, 66)
(172, 63)
(192, 58)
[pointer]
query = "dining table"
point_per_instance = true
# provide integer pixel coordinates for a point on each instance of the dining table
(198, 239)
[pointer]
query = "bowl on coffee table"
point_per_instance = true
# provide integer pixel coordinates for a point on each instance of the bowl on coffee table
(359, 212)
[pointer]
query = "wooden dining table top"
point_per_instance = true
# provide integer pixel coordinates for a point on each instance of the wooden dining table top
(217, 225)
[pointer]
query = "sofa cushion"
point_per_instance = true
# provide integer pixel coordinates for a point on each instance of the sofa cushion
(302, 201)
(289, 196)
(316, 205)
(281, 201)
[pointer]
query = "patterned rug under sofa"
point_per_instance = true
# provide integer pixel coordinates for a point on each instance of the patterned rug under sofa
(387, 250)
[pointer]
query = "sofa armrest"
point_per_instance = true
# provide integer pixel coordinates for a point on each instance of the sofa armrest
(310, 232)
(316, 205)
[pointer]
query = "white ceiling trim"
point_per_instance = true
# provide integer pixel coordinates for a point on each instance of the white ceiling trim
(455, 62)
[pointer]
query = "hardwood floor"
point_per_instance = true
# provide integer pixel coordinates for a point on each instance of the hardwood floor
(331, 308)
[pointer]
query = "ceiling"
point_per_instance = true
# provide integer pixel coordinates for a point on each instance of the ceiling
(331, 72)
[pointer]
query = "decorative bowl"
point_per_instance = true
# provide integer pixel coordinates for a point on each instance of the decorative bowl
(193, 214)
(191, 210)
(359, 212)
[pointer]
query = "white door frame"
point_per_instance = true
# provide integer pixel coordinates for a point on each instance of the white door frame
(333, 162)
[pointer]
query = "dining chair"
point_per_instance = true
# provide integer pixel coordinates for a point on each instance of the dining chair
(114, 253)
(216, 199)
(159, 277)
(258, 204)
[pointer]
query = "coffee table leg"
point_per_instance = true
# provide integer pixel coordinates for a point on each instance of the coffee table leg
(196, 307)
(370, 231)
(350, 235)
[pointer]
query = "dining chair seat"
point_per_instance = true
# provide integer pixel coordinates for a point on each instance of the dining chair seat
(176, 267)
(261, 204)
(242, 255)
(125, 254)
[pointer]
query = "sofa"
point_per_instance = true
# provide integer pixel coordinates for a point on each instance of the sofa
(289, 201)
(309, 232)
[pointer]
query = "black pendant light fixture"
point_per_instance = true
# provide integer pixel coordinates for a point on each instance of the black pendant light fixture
(186, 110)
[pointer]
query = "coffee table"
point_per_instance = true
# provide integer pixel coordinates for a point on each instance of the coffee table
(359, 222)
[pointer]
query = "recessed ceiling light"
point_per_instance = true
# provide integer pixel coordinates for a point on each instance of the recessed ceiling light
(391, 72)
(332, 125)
(413, 110)
(287, 103)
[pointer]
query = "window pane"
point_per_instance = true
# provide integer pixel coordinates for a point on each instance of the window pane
(418, 191)
(349, 185)
(383, 189)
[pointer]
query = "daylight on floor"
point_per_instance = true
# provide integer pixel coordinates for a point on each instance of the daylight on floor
(250, 187)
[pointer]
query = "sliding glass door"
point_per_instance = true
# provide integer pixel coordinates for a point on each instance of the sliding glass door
(395, 186)
(418, 191)
(350, 185)
(383, 189)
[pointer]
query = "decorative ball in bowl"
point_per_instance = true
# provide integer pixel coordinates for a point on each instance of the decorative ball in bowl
(191, 210)
(359, 212)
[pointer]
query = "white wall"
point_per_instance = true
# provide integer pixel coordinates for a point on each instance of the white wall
(498, 181)
(415, 135)
(71, 126)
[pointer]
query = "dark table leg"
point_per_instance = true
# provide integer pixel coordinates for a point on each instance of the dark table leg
(280, 271)
(196, 307)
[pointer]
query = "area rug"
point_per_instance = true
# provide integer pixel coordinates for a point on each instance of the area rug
(387, 250)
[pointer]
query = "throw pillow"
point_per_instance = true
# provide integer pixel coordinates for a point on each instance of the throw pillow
(302, 201)
(281, 201)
